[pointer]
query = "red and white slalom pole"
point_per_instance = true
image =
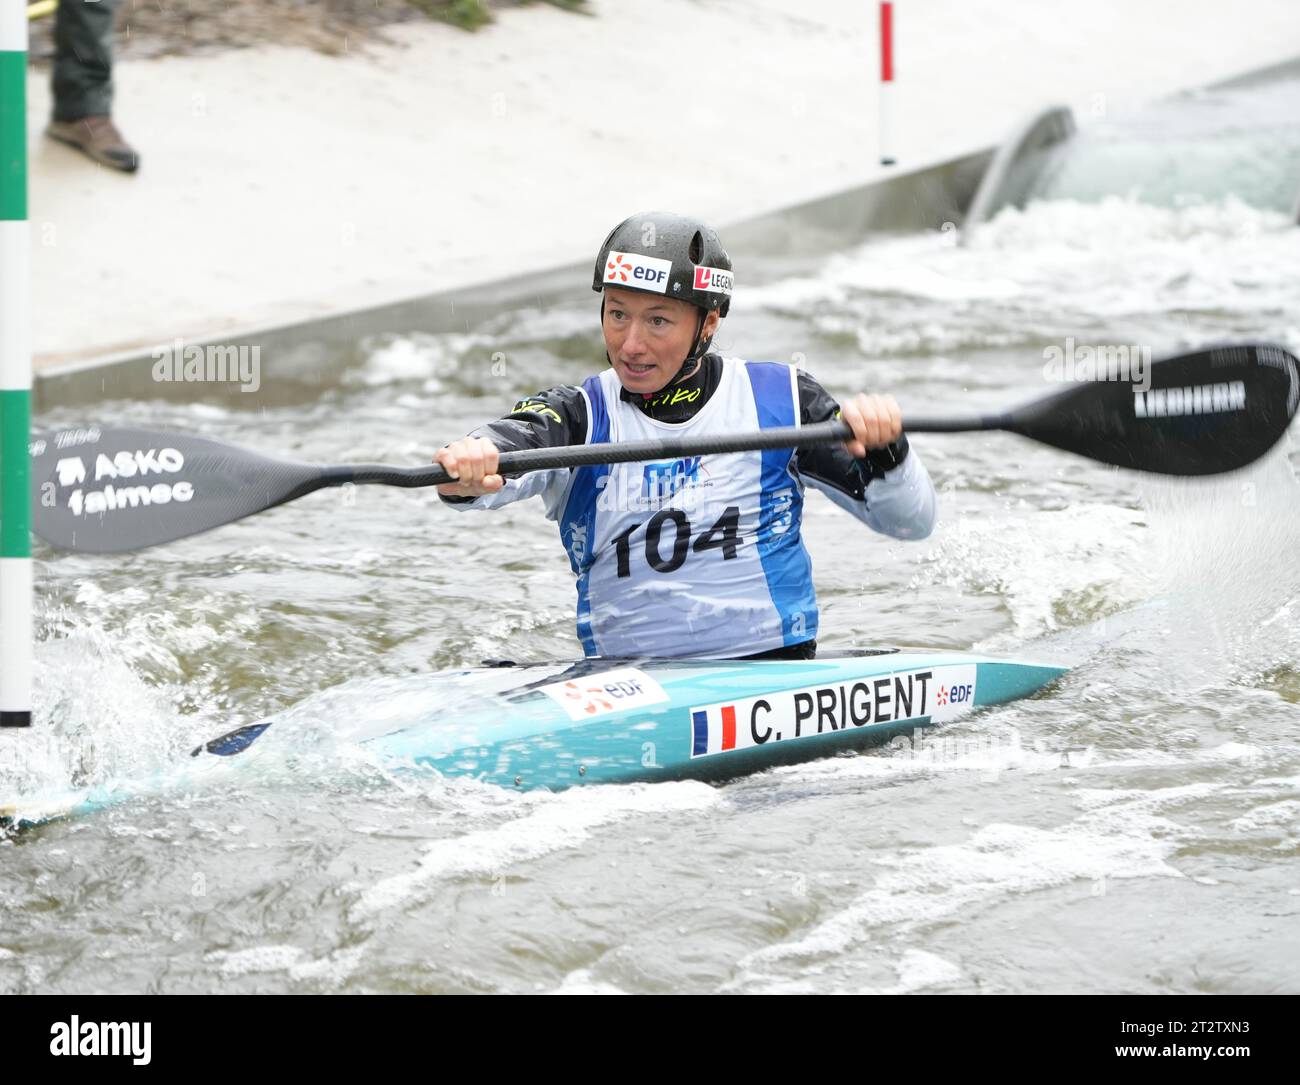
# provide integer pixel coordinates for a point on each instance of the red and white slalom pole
(886, 82)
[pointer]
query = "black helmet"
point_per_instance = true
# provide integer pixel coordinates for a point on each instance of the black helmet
(657, 252)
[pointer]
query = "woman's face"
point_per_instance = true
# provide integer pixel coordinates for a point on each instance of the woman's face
(648, 337)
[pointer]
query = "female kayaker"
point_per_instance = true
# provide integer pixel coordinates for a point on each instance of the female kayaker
(698, 557)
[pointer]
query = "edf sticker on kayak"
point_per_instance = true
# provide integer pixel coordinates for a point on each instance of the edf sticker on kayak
(955, 694)
(937, 694)
(608, 691)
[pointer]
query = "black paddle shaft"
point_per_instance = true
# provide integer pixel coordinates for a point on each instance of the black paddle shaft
(566, 456)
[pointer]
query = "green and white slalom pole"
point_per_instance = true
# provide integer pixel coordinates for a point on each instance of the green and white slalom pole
(15, 376)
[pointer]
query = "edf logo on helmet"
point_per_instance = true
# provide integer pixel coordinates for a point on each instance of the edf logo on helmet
(646, 272)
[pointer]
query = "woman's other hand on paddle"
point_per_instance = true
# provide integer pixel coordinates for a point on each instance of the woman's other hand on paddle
(472, 462)
(876, 422)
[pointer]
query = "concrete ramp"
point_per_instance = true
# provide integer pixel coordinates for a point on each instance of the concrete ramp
(1017, 168)
(1239, 139)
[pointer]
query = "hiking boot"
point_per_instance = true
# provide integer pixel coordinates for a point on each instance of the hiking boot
(99, 138)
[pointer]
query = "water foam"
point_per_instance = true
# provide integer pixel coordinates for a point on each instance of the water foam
(921, 886)
(551, 824)
(1215, 270)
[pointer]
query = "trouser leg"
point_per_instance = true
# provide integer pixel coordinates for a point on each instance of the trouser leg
(82, 79)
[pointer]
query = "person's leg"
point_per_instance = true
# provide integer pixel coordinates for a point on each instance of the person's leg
(82, 82)
(82, 78)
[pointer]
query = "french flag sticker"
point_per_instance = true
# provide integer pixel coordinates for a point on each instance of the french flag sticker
(722, 717)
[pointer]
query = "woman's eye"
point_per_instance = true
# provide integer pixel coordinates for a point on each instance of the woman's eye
(659, 321)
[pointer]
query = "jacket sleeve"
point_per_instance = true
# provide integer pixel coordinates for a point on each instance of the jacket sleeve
(555, 417)
(889, 490)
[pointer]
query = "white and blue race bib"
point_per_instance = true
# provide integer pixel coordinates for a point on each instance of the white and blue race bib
(694, 557)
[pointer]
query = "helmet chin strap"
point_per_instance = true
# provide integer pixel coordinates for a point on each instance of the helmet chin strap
(697, 351)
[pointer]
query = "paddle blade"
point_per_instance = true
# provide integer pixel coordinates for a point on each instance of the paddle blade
(106, 491)
(1216, 410)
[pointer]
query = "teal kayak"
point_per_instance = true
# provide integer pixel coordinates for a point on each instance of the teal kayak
(603, 721)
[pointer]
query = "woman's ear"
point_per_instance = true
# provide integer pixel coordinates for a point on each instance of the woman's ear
(711, 323)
